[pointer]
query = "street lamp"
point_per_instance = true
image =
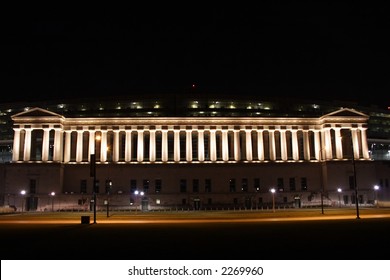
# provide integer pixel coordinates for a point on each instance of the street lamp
(136, 193)
(52, 194)
(108, 190)
(22, 192)
(273, 198)
(376, 189)
(354, 179)
(339, 190)
(323, 171)
(93, 174)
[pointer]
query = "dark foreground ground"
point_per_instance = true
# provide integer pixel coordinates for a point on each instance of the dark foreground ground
(295, 235)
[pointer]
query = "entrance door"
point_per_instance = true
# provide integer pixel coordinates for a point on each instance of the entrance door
(196, 204)
(144, 204)
(297, 202)
(248, 203)
(32, 203)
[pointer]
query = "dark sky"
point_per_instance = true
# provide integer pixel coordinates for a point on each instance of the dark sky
(322, 50)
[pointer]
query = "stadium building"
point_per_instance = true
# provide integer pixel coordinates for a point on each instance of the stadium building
(192, 153)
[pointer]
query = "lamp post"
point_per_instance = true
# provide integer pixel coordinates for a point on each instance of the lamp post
(108, 190)
(323, 169)
(22, 192)
(354, 179)
(52, 194)
(93, 174)
(322, 187)
(273, 198)
(136, 195)
(339, 190)
(376, 189)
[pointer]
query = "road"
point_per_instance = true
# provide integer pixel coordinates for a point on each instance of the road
(294, 234)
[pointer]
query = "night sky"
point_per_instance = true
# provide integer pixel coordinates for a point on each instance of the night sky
(320, 51)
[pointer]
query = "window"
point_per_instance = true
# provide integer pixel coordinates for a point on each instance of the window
(158, 185)
(292, 184)
(33, 186)
(97, 187)
(146, 185)
(83, 186)
(256, 184)
(195, 185)
(207, 185)
(244, 185)
(351, 182)
(232, 185)
(133, 185)
(108, 186)
(183, 185)
(304, 184)
(280, 184)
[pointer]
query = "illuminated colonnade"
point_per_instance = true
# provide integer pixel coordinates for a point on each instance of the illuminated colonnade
(57, 139)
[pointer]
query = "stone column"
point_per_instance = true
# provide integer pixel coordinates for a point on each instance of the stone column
(201, 145)
(67, 146)
(364, 143)
(128, 146)
(260, 145)
(306, 145)
(91, 146)
(176, 145)
(16, 145)
(295, 148)
(115, 151)
(328, 144)
(248, 145)
(164, 145)
(225, 145)
(45, 144)
(140, 146)
(272, 148)
(338, 143)
(152, 145)
(27, 145)
(355, 143)
(213, 145)
(189, 145)
(237, 148)
(317, 145)
(283, 145)
(103, 146)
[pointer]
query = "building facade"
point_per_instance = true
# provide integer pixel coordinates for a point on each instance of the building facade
(191, 162)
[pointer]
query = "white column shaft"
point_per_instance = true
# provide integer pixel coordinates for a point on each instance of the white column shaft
(201, 145)
(67, 146)
(140, 145)
(189, 145)
(16, 145)
(79, 146)
(152, 146)
(27, 145)
(225, 145)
